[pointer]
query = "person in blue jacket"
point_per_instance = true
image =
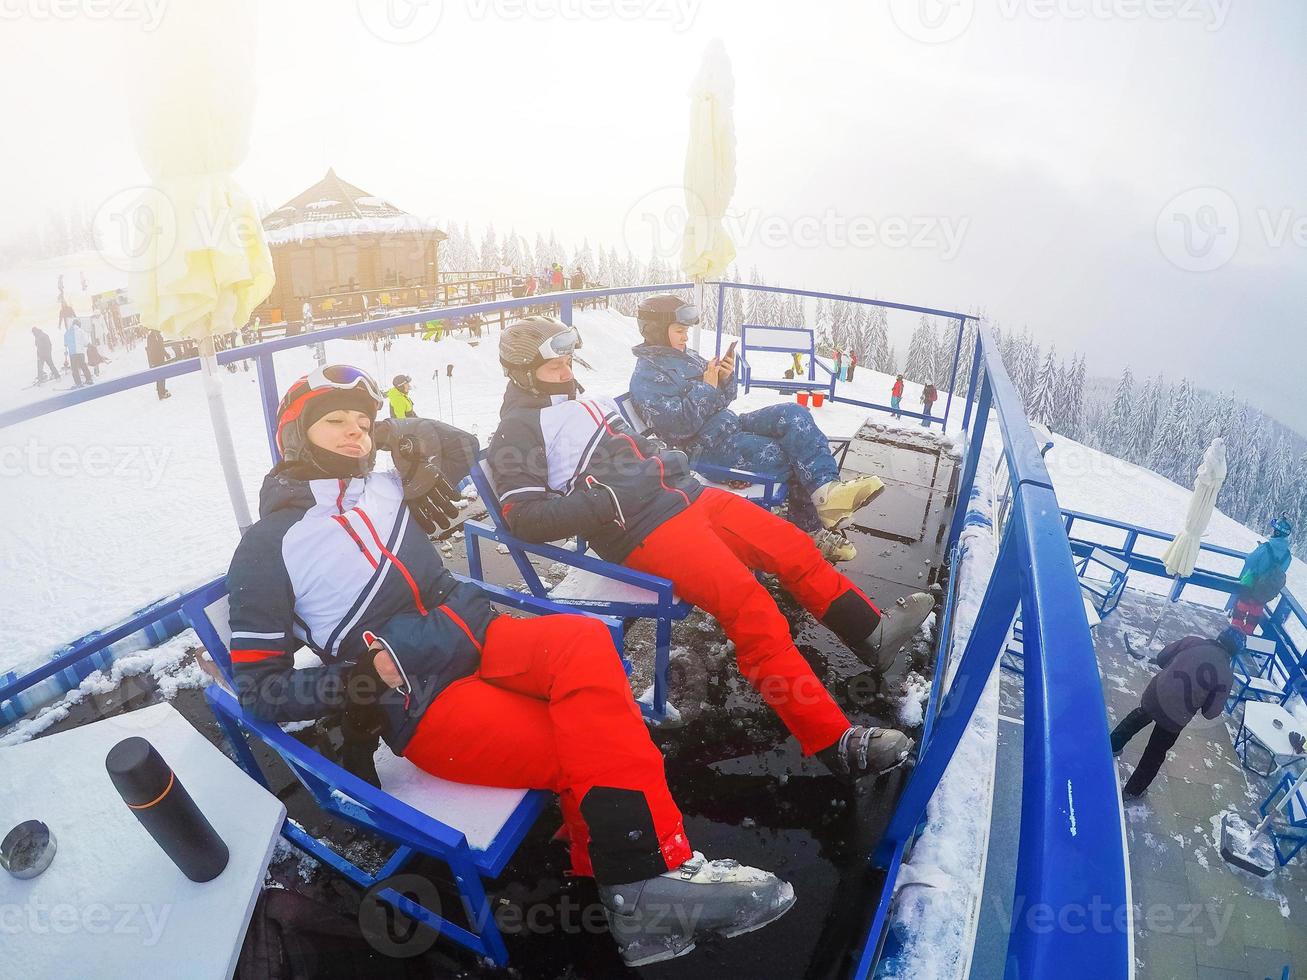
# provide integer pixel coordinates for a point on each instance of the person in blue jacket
(686, 400)
(1262, 577)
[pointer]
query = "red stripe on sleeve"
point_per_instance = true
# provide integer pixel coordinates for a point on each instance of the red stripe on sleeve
(253, 656)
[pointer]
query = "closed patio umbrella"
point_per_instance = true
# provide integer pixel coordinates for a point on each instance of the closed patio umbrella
(1182, 553)
(706, 249)
(203, 264)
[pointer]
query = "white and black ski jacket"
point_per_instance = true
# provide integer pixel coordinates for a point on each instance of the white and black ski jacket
(328, 562)
(563, 467)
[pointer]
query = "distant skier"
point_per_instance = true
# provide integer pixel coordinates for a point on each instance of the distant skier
(896, 397)
(556, 277)
(853, 363)
(798, 365)
(1262, 577)
(578, 278)
(157, 356)
(75, 342)
(1195, 676)
(929, 395)
(401, 405)
(43, 356)
(839, 364)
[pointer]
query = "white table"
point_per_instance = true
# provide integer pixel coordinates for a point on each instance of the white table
(1259, 724)
(112, 904)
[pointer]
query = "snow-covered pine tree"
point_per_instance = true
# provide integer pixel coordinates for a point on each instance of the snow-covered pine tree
(921, 354)
(513, 254)
(585, 259)
(1061, 393)
(1118, 429)
(1041, 404)
(1172, 453)
(1075, 402)
(489, 256)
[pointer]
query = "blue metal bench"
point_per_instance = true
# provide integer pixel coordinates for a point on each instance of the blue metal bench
(474, 830)
(1104, 593)
(784, 340)
(592, 584)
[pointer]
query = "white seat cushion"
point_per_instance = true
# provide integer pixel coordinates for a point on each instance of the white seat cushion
(479, 812)
(580, 585)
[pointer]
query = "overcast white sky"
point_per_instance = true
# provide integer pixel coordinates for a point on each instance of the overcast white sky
(1039, 151)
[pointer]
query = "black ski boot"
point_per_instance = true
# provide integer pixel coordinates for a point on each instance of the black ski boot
(866, 752)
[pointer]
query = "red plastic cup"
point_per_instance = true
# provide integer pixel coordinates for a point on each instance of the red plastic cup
(802, 397)
(818, 399)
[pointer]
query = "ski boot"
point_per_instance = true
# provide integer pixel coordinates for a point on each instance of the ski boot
(833, 545)
(866, 752)
(660, 918)
(836, 501)
(897, 625)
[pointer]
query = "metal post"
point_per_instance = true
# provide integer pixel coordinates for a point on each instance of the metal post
(977, 663)
(974, 443)
(971, 386)
(721, 306)
(267, 376)
(953, 381)
(565, 311)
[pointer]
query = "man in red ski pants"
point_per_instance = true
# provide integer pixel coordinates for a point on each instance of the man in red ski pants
(709, 551)
(565, 466)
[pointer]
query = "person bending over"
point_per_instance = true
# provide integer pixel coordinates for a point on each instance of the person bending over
(563, 465)
(1195, 676)
(686, 400)
(340, 561)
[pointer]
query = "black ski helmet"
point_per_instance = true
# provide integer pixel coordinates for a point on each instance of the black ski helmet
(324, 390)
(400, 380)
(523, 346)
(655, 314)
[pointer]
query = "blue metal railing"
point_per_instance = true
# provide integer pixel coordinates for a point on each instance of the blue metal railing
(1071, 853)
(1071, 857)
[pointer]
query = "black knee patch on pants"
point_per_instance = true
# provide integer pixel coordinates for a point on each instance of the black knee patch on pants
(851, 617)
(624, 846)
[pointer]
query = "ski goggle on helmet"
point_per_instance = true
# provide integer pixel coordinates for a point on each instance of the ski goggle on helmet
(299, 400)
(559, 345)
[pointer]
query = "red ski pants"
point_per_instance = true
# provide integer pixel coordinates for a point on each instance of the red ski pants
(551, 708)
(710, 551)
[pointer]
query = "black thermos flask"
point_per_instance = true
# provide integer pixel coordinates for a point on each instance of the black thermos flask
(148, 785)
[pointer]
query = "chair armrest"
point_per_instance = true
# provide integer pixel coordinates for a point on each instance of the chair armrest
(525, 602)
(607, 569)
(721, 474)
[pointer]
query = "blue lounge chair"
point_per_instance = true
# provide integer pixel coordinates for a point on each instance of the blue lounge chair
(474, 830)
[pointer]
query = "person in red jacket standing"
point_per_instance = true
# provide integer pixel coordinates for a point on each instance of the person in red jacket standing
(896, 396)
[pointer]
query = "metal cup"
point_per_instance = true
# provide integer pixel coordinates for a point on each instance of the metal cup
(28, 849)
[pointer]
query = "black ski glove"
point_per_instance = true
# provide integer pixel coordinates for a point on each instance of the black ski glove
(416, 447)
